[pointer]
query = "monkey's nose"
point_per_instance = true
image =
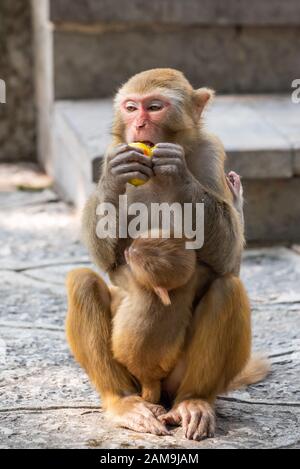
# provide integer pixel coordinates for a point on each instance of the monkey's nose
(141, 124)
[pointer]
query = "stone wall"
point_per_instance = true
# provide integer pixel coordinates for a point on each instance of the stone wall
(17, 116)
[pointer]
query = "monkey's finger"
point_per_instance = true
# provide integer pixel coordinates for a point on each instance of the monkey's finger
(118, 149)
(148, 410)
(202, 431)
(185, 418)
(168, 145)
(234, 180)
(138, 422)
(212, 426)
(152, 425)
(132, 167)
(124, 178)
(157, 410)
(130, 156)
(167, 161)
(142, 427)
(171, 418)
(229, 183)
(234, 176)
(192, 425)
(166, 153)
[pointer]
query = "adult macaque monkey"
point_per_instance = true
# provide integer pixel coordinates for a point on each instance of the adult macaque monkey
(159, 107)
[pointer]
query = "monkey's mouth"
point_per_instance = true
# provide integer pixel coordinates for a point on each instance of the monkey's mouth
(147, 142)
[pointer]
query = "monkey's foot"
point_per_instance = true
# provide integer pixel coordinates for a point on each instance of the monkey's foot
(196, 417)
(141, 416)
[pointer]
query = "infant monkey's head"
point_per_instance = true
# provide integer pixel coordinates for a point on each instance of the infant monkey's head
(160, 263)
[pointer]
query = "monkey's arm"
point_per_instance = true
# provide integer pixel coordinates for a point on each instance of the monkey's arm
(122, 163)
(226, 205)
(205, 182)
(223, 231)
(103, 251)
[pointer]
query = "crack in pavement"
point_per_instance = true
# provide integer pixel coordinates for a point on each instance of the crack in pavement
(49, 408)
(98, 408)
(33, 327)
(19, 205)
(268, 403)
(46, 265)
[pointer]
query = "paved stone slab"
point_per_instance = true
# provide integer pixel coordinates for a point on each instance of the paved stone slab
(32, 230)
(37, 371)
(46, 399)
(31, 301)
(239, 426)
(19, 199)
(272, 275)
(36, 297)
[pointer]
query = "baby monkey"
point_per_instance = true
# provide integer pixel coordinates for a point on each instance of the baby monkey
(152, 308)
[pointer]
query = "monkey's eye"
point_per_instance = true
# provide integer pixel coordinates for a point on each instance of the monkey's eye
(130, 107)
(155, 107)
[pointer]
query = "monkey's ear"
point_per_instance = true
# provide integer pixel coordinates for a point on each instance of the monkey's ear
(163, 294)
(202, 97)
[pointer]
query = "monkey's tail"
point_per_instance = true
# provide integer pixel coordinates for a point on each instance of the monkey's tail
(256, 370)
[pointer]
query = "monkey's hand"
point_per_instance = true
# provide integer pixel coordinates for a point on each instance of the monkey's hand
(235, 186)
(169, 160)
(125, 163)
(136, 414)
(195, 416)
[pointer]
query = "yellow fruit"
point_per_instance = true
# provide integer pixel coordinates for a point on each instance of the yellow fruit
(148, 152)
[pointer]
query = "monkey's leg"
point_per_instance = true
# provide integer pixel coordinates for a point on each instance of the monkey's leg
(218, 350)
(151, 391)
(89, 330)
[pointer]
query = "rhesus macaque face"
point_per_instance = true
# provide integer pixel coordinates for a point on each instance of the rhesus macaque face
(158, 106)
(143, 116)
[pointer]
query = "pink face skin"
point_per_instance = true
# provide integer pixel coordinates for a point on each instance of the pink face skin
(143, 116)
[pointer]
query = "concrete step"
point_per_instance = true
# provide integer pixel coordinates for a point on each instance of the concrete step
(92, 63)
(217, 12)
(225, 45)
(261, 135)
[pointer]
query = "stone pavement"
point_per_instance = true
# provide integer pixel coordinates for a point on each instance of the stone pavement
(46, 400)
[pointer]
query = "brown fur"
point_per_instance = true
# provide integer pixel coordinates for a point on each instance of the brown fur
(217, 343)
(256, 369)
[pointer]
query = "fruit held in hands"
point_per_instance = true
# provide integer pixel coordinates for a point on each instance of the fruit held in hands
(148, 152)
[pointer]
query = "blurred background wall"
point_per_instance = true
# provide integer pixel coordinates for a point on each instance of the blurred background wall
(17, 116)
(63, 60)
